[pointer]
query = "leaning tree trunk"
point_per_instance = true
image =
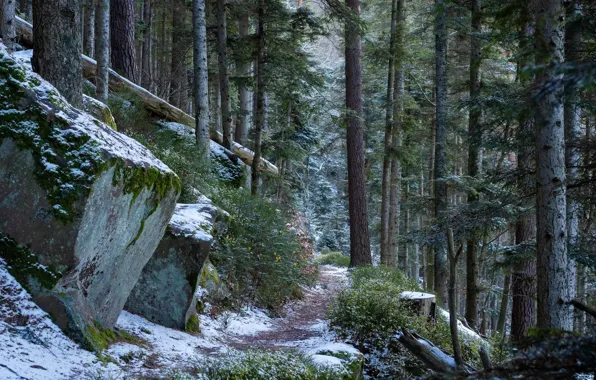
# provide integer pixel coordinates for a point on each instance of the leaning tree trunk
(474, 162)
(201, 78)
(7, 23)
(440, 193)
(385, 185)
(551, 223)
(359, 236)
(573, 132)
(224, 80)
(102, 41)
(261, 60)
(57, 46)
(89, 30)
(147, 61)
(122, 37)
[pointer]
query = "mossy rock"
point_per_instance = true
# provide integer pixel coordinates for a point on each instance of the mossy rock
(84, 207)
(193, 325)
(100, 111)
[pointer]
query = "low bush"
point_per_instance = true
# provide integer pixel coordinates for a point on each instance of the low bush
(371, 312)
(334, 258)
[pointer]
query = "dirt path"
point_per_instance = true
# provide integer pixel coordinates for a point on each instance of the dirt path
(304, 320)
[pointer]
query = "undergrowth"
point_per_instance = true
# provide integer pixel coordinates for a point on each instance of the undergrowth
(371, 312)
(334, 258)
(258, 257)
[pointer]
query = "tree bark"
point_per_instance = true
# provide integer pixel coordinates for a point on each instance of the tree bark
(440, 193)
(260, 119)
(504, 304)
(427, 352)
(573, 133)
(89, 35)
(179, 80)
(224, 80)
(474, 163)
(201, 78)
(7, 24)
(244, 96)
(147, 61)
(102, 40)
(453, 257)
(57, 46)
(385, 184)
(551, 223)
(122, 38)
(359, 236)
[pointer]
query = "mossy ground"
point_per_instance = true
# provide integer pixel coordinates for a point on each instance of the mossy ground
(193, 325)
(99, 338)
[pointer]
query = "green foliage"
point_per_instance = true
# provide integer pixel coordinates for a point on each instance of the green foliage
(193, 325)
(99, 338)
(334, 258)
(371, 312)
(255, 365)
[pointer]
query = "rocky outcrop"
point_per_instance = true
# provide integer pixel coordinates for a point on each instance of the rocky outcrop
(82, 207)
(100, 111)
(168, 289)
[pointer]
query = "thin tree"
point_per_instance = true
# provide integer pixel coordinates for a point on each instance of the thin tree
(573, 132)
(89, 29)
(146, 62)
(7, 23)
(57, 46)
(179, 81)
(385, 185)
(260, 103)
(453, 258)
(474, 161)
(359, 236)
(122, 37)
(440, 188)
(396, 133)
(551, 221)
(244, 96)
(201, 78)
(224, 80)
(102, 50)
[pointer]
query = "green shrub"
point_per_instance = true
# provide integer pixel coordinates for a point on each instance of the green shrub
(278, 365)
(334, 258)
(371, 312)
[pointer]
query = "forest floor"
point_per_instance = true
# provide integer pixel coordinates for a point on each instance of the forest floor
(35, 348)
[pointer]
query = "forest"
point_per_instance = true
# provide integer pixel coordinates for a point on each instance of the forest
(297, 189)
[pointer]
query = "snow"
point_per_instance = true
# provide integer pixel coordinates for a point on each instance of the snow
(110, 142)
(461, 327)
(327, 361)
(250, 321)
(416, 295)
(33, 347)
(193, 220)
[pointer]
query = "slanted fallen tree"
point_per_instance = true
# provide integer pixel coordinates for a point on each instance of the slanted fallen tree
(151, 102)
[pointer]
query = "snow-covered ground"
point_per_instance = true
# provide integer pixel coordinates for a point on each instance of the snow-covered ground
(33, 347)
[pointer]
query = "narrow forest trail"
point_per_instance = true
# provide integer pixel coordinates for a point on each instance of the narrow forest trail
(304, 324)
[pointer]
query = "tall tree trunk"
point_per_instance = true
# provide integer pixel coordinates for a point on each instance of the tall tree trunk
(224, 80)
(147, 63)
(359, 236)
(260, 114)
(122, 38)
(7, 23)
(504, 304)
(385, 186)
(201, 78)
(179, 80)
(474, 157)
(573, 132)
(396, 134)
(89, 36)
(453, 257)
(440, 193)
(57, 46)
(244, 96)
(430, 253)
(404, 253)
(551, 221)
(102, 40)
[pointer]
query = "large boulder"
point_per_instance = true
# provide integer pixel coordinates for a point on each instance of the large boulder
(168, 289)
(82, 207)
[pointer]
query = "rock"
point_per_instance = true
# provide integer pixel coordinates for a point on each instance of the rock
(100, 111)
(168, 289)
(340, 354)
(82, 207)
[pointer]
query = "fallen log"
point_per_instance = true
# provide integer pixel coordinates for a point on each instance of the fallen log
(429, 354)
(150, 101)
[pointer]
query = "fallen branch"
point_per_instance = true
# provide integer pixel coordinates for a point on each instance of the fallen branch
(150, 101)
(583, 307)
(427, 352)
